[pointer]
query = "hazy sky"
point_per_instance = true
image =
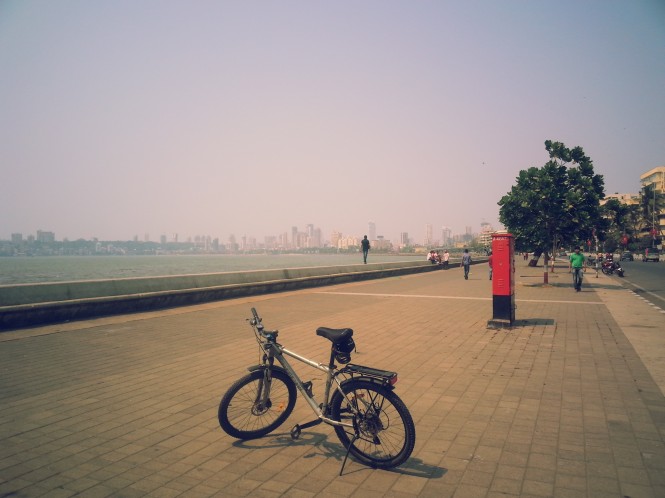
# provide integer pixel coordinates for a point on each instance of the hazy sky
(120, 118)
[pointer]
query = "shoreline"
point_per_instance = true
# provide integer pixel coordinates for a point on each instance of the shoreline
(25, 305)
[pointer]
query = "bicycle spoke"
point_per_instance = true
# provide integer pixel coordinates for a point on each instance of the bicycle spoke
(377, 437)
(376, 426)
(246, 413)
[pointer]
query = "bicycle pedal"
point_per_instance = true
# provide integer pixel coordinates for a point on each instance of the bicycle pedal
(295, 432)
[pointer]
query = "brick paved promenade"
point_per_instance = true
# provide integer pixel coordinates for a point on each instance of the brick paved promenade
(565, 404)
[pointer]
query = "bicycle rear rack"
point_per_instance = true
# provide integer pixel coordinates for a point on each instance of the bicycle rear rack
(383, 375)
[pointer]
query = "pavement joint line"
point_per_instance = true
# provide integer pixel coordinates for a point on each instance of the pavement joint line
(640, 289)
(569, 403)
(454, 297)
(653, 305)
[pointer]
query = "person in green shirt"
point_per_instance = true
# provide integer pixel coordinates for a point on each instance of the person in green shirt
(576, 266)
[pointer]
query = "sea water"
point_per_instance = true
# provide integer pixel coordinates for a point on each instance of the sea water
(25, 269)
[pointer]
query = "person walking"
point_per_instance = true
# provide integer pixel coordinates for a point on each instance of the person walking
(446, 258)
(365, 245)
(466, 263)
(576, 266)
(489, 262)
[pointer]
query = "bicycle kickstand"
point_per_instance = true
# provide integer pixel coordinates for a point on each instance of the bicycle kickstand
(347, 453)
(297, 429)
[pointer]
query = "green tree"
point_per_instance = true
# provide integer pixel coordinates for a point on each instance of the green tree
(634, 221)
(556, 205)
(652, 204)
(616, 215)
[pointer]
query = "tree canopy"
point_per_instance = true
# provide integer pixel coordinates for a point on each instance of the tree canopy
(652, 204)
(555, 205)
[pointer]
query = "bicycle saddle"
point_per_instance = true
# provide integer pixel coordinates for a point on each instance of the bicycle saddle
(335, 335)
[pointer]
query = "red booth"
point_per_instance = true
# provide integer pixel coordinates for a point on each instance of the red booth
(503, 279)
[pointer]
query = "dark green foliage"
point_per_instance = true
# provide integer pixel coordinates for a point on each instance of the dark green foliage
(555, 205)
(652, 204)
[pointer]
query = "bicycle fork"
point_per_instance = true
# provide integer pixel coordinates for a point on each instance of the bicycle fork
(262, 401)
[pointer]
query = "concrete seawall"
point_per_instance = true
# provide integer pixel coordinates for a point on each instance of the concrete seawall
(25, 305)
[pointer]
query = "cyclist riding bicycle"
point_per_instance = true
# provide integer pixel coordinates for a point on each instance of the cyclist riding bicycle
(576, 265)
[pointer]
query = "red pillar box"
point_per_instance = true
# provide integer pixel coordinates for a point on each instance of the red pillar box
(503, 280)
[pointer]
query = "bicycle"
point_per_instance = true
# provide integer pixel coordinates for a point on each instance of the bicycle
(370, 420)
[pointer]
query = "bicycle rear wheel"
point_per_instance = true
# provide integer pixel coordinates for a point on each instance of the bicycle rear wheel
(242, 414)
(384, 434)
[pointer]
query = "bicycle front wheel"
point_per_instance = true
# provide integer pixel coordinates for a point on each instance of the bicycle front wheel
(383, 433)
(244, 415)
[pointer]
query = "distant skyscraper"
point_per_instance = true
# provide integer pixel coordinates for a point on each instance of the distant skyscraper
(428, 235)
(371, 227)
(294, 237)
(232, 245)
(284, 240)
(486, 231)
(45, 236)
(404, 239)
(446, 236)
(335, 237)
(468, 235)
(316, 240)
(302, 240)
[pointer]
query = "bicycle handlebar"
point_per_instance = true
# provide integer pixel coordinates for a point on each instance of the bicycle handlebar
(268, 334)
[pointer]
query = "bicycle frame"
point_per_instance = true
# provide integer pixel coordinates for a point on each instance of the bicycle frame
(370, 420)
(274, 350)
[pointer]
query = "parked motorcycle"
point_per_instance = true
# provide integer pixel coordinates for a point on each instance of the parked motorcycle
(618, 269)
(610, 267)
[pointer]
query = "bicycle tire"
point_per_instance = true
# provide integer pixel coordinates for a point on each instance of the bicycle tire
(240, 417)
(386, 432)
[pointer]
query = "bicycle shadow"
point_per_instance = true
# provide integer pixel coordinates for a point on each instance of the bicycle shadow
(413, 467)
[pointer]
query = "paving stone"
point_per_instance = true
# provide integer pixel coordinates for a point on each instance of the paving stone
(127, 406)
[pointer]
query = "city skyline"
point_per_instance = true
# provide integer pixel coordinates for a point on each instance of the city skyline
(284, 238)
(121, 118)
